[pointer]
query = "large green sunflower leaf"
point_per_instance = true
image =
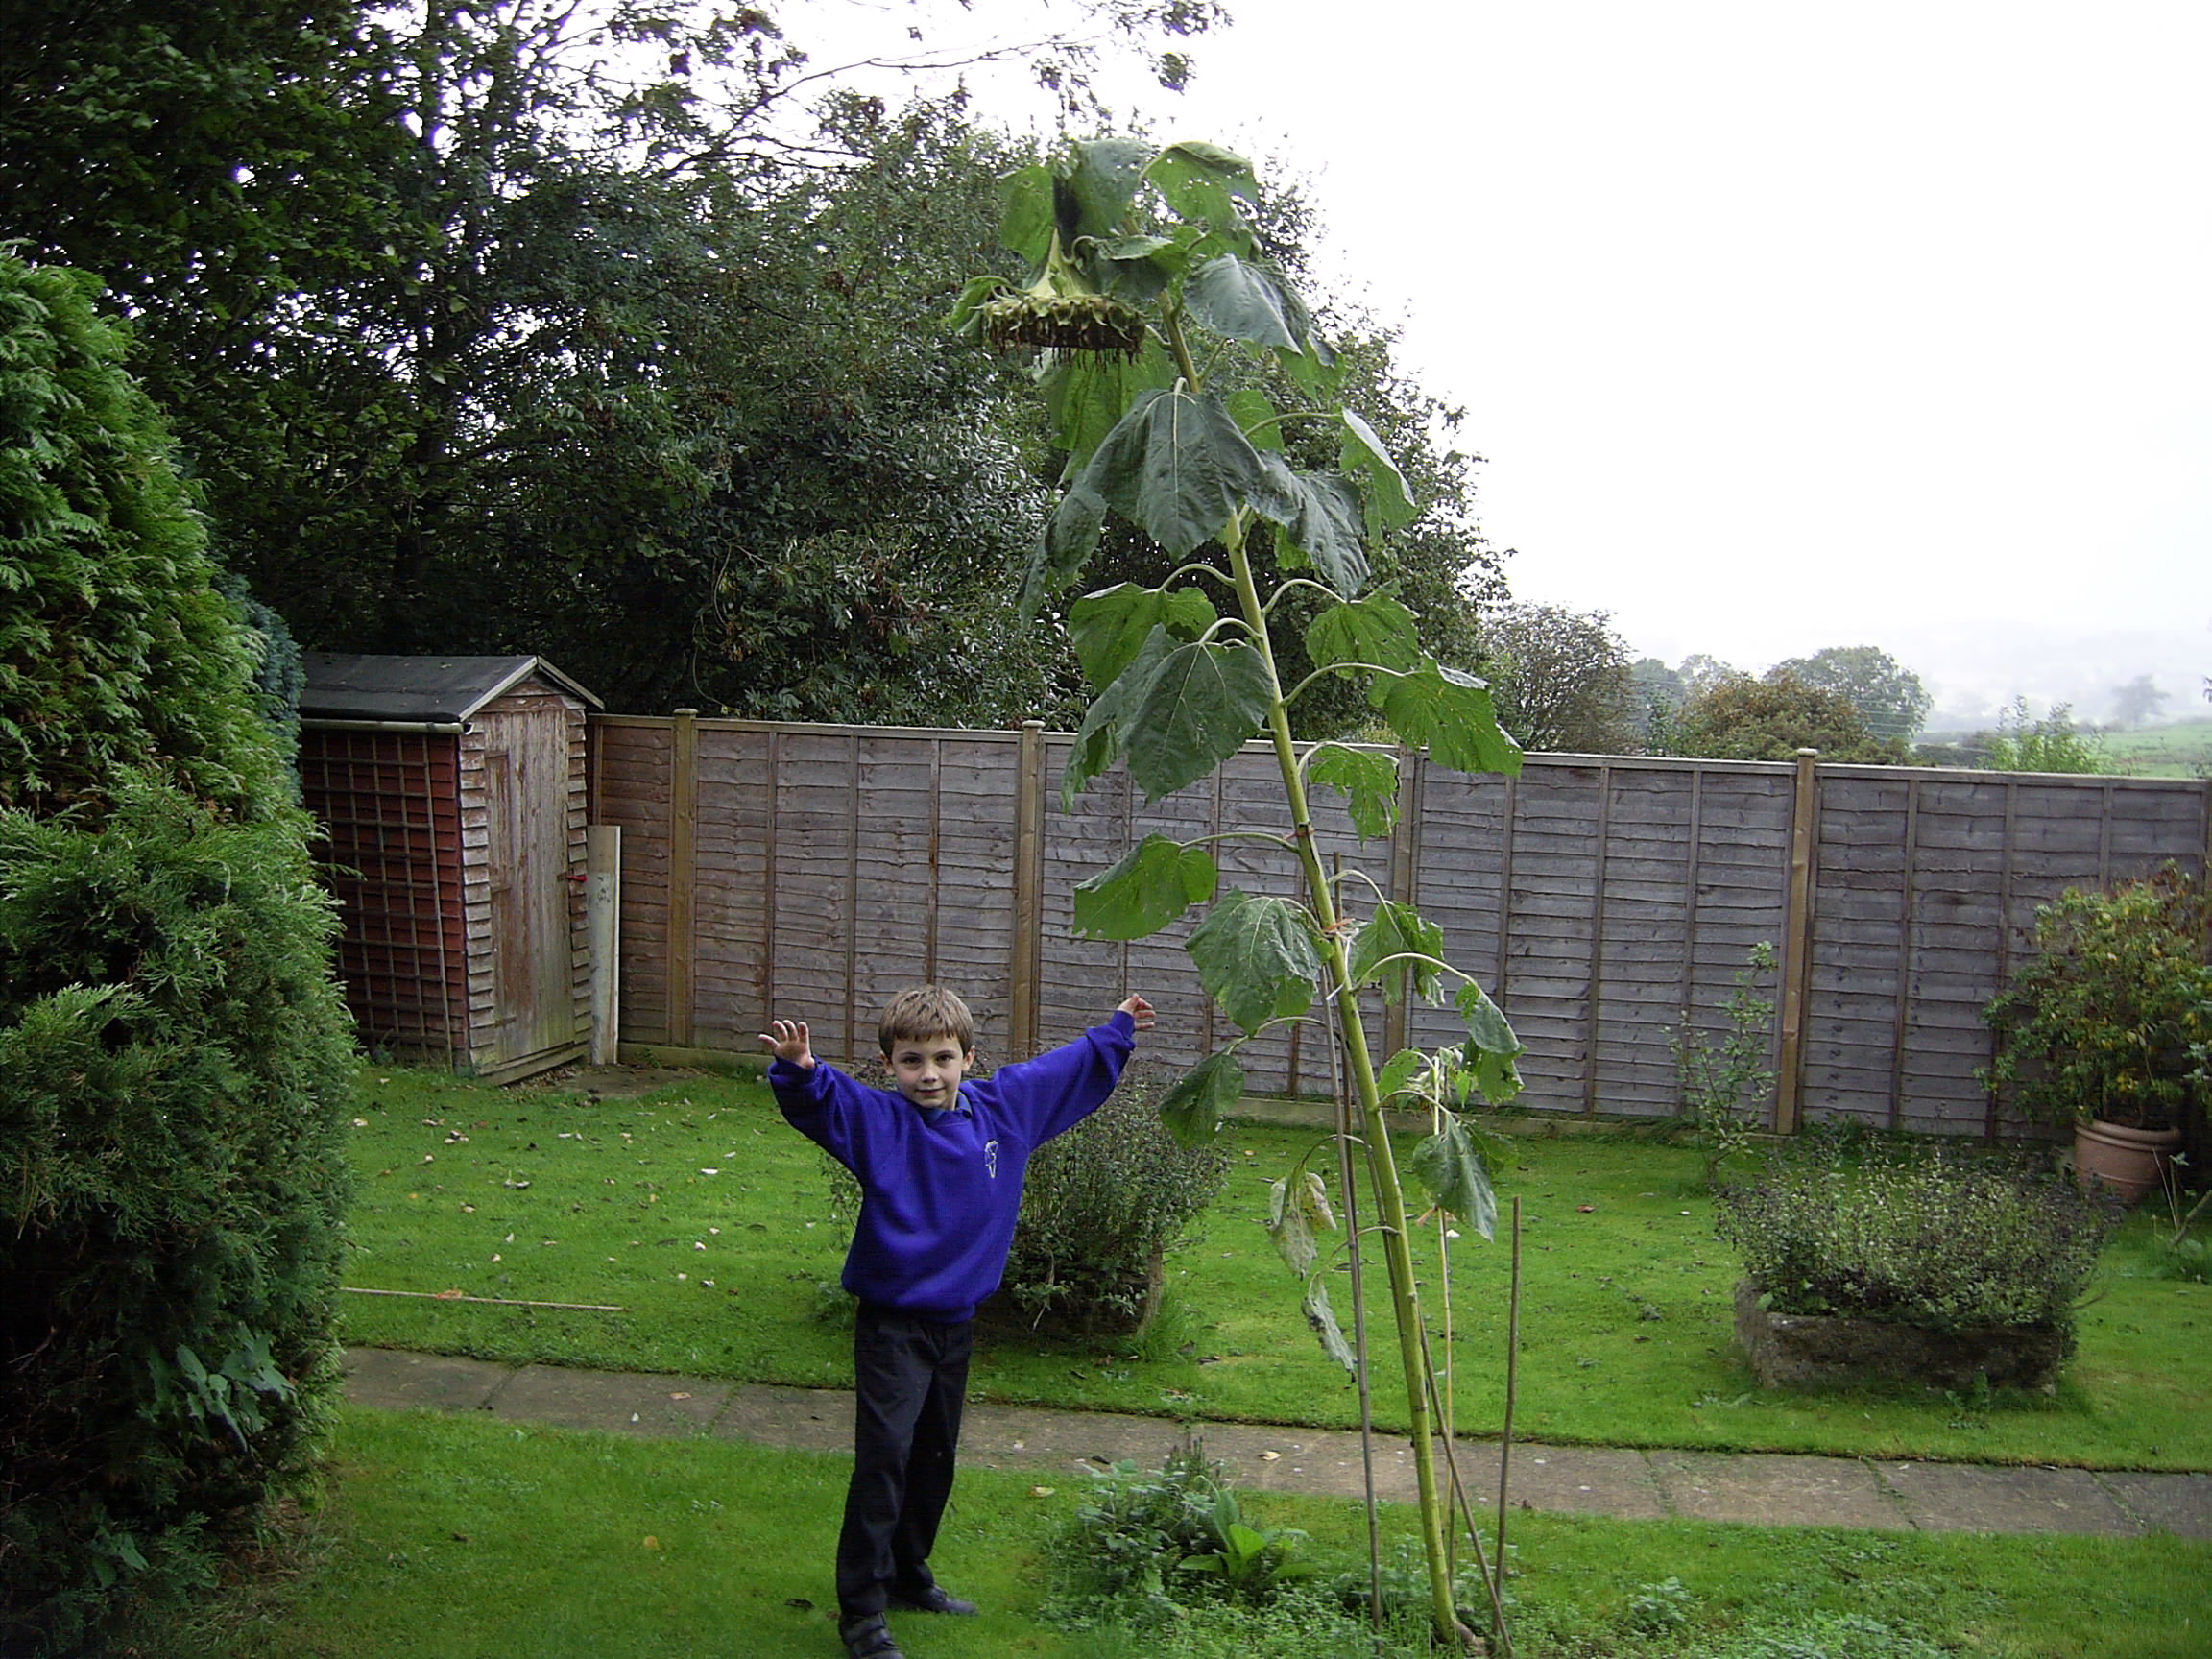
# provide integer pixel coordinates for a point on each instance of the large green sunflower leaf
(1255, 957)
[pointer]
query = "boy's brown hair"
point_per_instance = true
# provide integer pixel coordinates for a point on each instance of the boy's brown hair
(925, 1011)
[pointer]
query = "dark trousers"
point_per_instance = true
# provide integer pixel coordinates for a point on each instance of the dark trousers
(911, 1378)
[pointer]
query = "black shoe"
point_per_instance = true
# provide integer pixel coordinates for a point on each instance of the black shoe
(868, 1637)
(934, 1599)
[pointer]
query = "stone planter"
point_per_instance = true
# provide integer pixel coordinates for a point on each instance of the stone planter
(1072, 1319)
(2128, 1161)
(1805, 1350)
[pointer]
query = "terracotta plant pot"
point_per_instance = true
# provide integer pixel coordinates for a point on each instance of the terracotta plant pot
(2129, 1161)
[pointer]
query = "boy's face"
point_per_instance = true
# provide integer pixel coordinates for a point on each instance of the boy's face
(929, 1069)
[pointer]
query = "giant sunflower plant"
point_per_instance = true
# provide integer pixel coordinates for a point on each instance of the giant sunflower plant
(1156, 325)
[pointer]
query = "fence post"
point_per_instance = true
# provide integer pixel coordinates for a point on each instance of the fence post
(1796, 946)
(682, 875)
(603, 924)
(2206, 870)
(1025, 971)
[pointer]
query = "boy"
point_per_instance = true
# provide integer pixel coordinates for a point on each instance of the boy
(940, 1164)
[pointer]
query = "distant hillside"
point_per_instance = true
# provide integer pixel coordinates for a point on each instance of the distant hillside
(2179, 749)
(2182, 749)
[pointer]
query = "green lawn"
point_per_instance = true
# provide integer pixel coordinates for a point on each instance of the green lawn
(706, 1220)
(466, 1538)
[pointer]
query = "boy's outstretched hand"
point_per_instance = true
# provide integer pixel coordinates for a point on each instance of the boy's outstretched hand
(789, 1044)
(1139, 1011)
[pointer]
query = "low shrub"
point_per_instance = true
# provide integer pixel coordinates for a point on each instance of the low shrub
(1102, 1205)
(1164, 1562)
(1918, 1234)
(1726, 1092)
(1114, 1561)
(2102, 1022)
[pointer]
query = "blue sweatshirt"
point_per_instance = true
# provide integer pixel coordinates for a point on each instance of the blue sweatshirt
(940, 1188)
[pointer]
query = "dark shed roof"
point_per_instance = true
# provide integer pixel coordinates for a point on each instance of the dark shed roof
(440, 690)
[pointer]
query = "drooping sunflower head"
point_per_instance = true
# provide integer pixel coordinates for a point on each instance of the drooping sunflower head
(1063, 321)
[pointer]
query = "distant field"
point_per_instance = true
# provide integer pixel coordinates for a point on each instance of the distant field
(2181, 750)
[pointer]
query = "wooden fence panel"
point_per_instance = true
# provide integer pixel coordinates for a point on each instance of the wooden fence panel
(631, 765)
(734, 845)
(1608, 904)
(972, 943)
(1083, 979)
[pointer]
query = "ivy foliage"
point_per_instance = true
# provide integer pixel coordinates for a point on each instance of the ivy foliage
(175, 1057)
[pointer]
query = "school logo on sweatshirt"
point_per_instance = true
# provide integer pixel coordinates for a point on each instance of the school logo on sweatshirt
(991, 1159)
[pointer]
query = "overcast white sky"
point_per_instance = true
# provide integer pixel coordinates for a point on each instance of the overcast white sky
(1785, 325)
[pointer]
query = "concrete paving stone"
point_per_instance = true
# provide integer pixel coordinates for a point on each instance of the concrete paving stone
(1584, 1480)
(1767, 1489)
(617, 1402)
(1276, 1459)
(2177, 1504)
(1009, 1437)
(804, 1419)
(1962, 1498)
(394, 1381)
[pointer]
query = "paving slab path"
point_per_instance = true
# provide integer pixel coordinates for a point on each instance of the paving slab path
(1760, 1488)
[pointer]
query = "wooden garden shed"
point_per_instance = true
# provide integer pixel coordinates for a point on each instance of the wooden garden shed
(452, 789)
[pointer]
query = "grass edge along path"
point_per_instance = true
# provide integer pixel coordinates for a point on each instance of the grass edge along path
(468, 1538)
(708, 1220)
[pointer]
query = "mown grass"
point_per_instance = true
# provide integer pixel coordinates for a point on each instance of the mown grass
(467, 1538)
(708, 1222)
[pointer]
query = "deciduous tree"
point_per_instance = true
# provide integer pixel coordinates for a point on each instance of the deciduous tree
(1739, 718)
(516, 325)
(1657, 693)
(1893, 699)
(1562, 680)
(2024, 743)
(2138, 702)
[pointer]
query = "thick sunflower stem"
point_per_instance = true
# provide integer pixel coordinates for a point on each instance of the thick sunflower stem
(1382, 1163)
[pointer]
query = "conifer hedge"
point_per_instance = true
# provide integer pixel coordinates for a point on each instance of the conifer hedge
(174, 1058)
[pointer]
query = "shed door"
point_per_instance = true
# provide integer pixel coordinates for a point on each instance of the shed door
(526, 800)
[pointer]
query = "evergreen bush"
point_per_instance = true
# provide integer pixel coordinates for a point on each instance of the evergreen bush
(116, 651)
(1101, 1206)
(173, 1057)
